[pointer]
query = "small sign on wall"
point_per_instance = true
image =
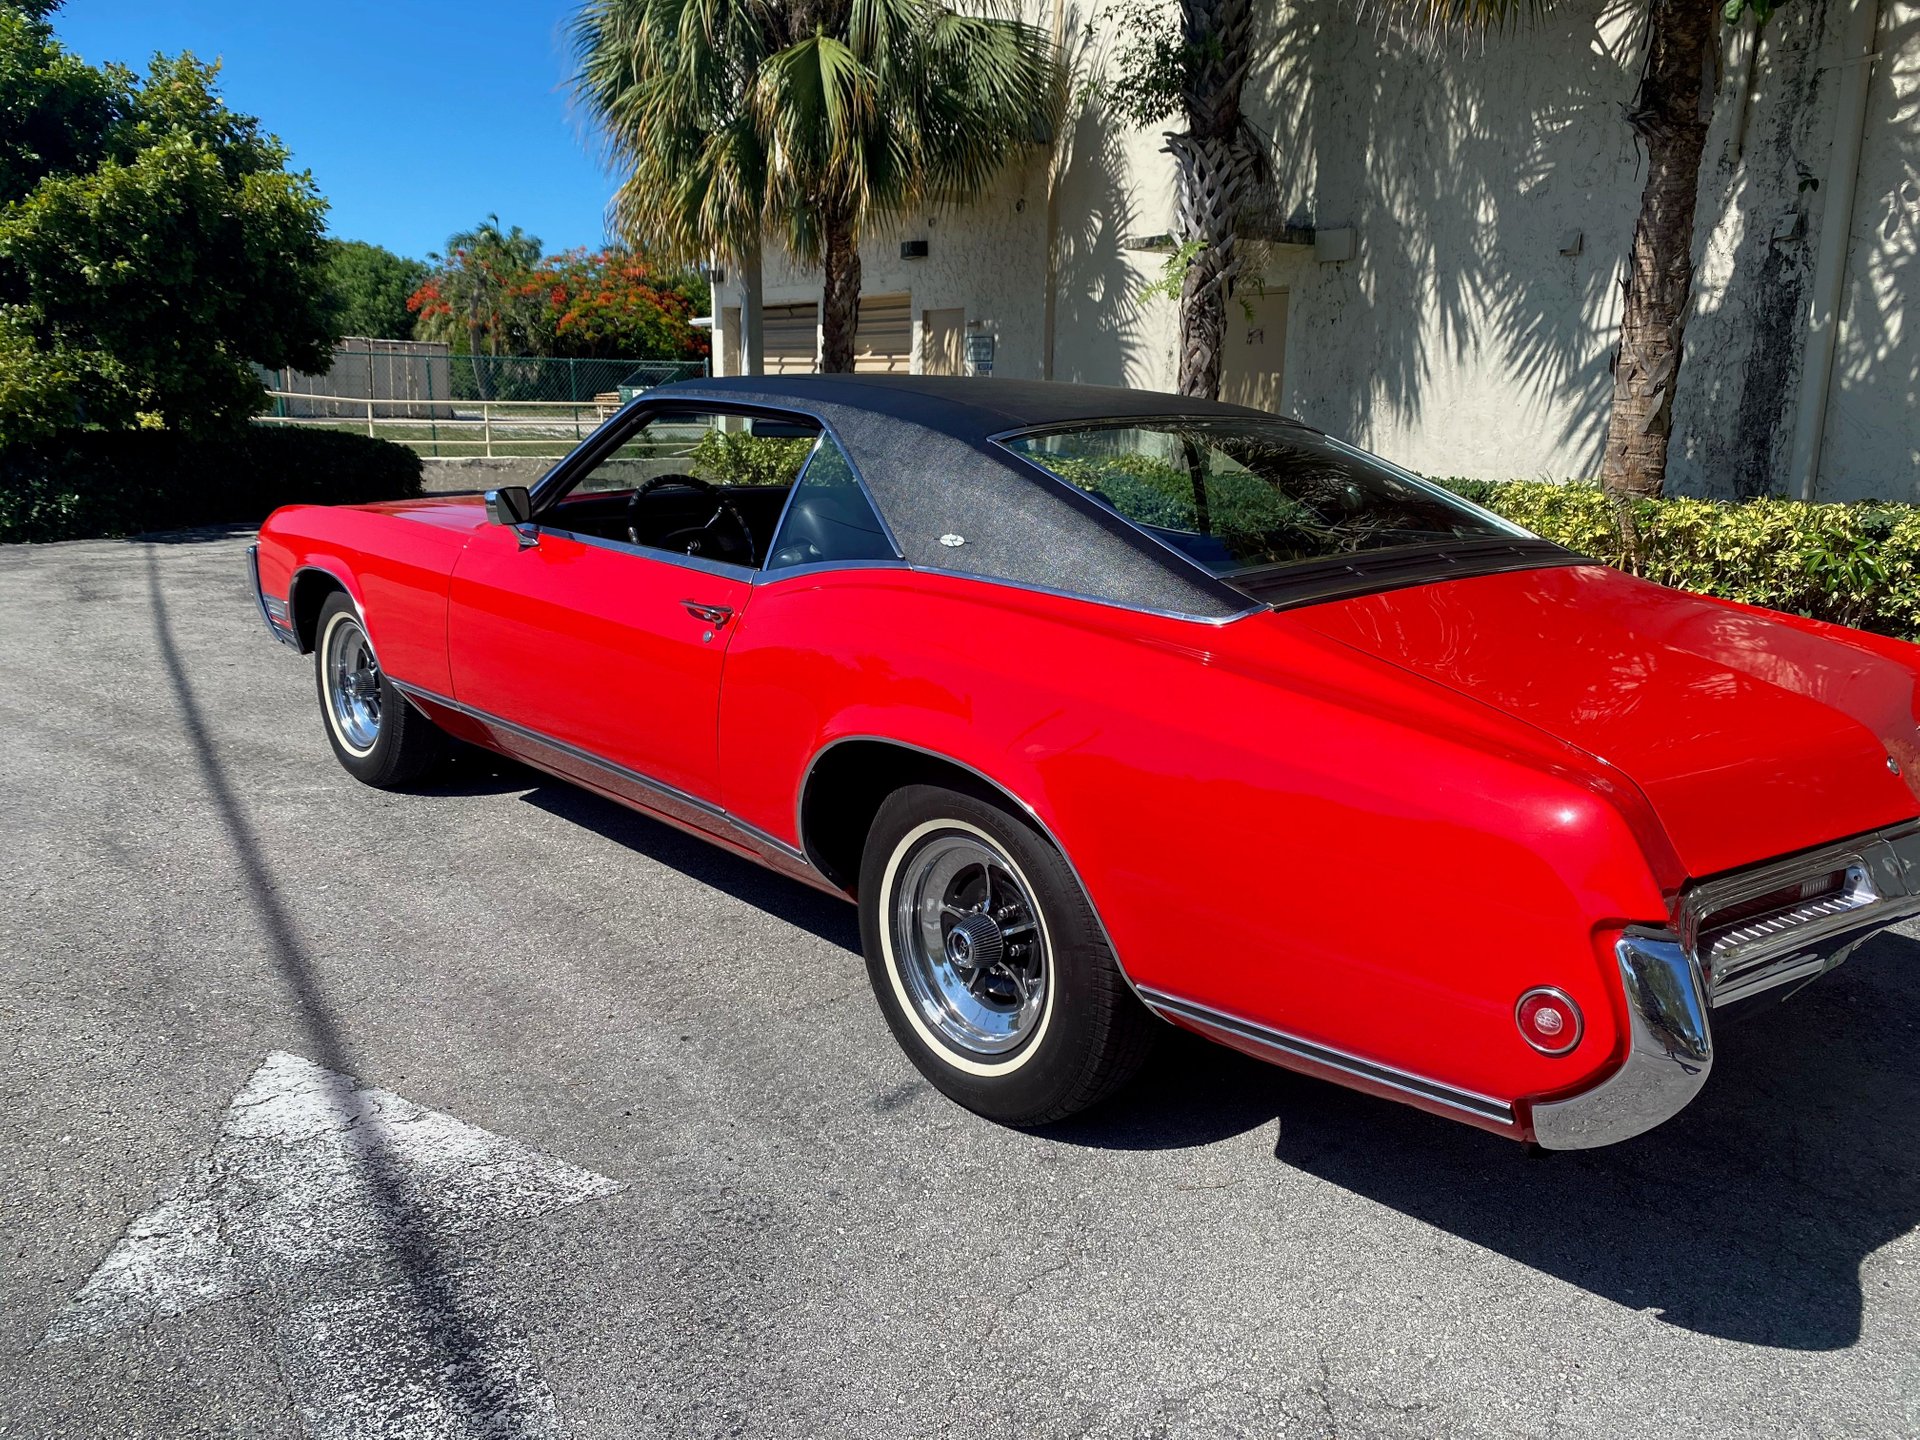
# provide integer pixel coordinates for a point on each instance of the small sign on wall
(979, 352)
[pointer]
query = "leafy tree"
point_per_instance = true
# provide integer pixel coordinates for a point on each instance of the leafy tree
(55, 109)
(153, 246)
(610, 304)
(480, 291)
(370, 286)
(810, 119)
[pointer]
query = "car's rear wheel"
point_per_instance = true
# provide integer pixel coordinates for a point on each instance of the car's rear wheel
(374, 730)
(988, 962)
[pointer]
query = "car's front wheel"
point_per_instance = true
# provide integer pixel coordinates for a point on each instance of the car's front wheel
(988, 962)
(375, 732)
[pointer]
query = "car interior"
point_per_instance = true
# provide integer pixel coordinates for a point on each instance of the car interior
(706, 485)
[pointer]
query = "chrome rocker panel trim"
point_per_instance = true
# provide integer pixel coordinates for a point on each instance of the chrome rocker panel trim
(646, 783)
(1669, 1056)
(1290, 1050)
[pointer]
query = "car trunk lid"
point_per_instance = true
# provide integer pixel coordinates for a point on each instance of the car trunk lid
(1750, 736)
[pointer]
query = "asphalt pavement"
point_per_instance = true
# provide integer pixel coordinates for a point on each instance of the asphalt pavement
(495, 1109)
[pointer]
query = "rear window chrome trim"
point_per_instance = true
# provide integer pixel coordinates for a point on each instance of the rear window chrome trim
(1347, 577)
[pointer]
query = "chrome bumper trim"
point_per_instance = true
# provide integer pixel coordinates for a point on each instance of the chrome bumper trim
(1289, 1050)
(1669, 1057)
(1882, 887)
(273, 611)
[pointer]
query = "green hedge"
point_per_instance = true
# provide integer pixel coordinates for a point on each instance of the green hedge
(128, 482)
(736, 457)
(1852, 564)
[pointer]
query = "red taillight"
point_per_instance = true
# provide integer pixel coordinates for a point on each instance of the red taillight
(1548, 1020)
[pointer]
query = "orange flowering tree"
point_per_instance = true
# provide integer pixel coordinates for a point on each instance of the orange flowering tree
(613, 304)
(492, 294)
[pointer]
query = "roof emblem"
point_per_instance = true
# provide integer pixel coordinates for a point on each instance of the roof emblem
(953, 542)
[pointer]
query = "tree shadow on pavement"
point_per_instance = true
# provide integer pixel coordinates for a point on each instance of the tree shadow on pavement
(471, 1371)
(1748, 1216)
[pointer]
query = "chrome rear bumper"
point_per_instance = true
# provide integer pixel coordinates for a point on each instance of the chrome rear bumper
(1864, 885)
(1674, 979)
(1669, 1056)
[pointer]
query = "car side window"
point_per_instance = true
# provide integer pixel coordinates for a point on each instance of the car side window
(705, 483)
(829, 517)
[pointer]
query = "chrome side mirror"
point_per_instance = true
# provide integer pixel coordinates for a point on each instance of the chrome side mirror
(510, 505)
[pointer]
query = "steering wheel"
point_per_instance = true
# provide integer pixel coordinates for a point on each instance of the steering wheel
(710, 538)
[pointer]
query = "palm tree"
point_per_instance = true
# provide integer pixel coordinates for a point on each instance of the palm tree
(666, 84)
(809, 120)
(1191, 66)
(1670, 115)
(478, 279)
(1217, 164)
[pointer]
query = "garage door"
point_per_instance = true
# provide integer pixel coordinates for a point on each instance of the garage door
(791, 339)
(883, 342)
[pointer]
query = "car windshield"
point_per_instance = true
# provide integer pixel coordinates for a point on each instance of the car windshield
(1247, 495)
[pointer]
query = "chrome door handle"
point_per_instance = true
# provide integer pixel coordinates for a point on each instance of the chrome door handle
(714, 615)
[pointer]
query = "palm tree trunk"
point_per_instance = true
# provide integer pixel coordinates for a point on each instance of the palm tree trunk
(840, 301)
(1206, 213)
(1215, 164)
(1671, 115)
(480, 376)
(753, 350)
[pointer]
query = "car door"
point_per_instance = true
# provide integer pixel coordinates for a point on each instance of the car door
(595, 656)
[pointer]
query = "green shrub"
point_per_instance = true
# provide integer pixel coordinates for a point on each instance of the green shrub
(734, 457)
(127, 482)
(1854, 565)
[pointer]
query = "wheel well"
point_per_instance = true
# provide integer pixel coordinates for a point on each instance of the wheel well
(848, 785)
(308, 593)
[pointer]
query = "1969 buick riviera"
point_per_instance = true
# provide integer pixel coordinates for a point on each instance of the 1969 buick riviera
(1105, 705)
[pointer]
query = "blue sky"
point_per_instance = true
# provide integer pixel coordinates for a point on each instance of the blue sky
(416, 119)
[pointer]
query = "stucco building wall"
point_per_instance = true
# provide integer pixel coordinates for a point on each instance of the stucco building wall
(1491, 197)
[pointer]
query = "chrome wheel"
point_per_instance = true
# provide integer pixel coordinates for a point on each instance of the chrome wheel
(353, 684)
(970, 943)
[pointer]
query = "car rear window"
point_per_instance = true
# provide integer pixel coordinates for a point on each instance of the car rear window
(1245, 497)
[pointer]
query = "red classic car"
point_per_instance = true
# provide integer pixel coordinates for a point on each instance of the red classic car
(1103, 705)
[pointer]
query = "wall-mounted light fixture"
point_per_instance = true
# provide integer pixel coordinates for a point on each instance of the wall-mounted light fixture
(913, 249)
(1573, 242)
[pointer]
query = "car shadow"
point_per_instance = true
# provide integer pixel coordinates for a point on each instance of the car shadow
(814, 911)
(1747, 1217)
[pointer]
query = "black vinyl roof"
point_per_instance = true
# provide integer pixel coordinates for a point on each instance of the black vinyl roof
(923, 445)
(966, 409)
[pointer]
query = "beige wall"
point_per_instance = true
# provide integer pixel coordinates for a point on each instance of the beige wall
(1459, 339)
